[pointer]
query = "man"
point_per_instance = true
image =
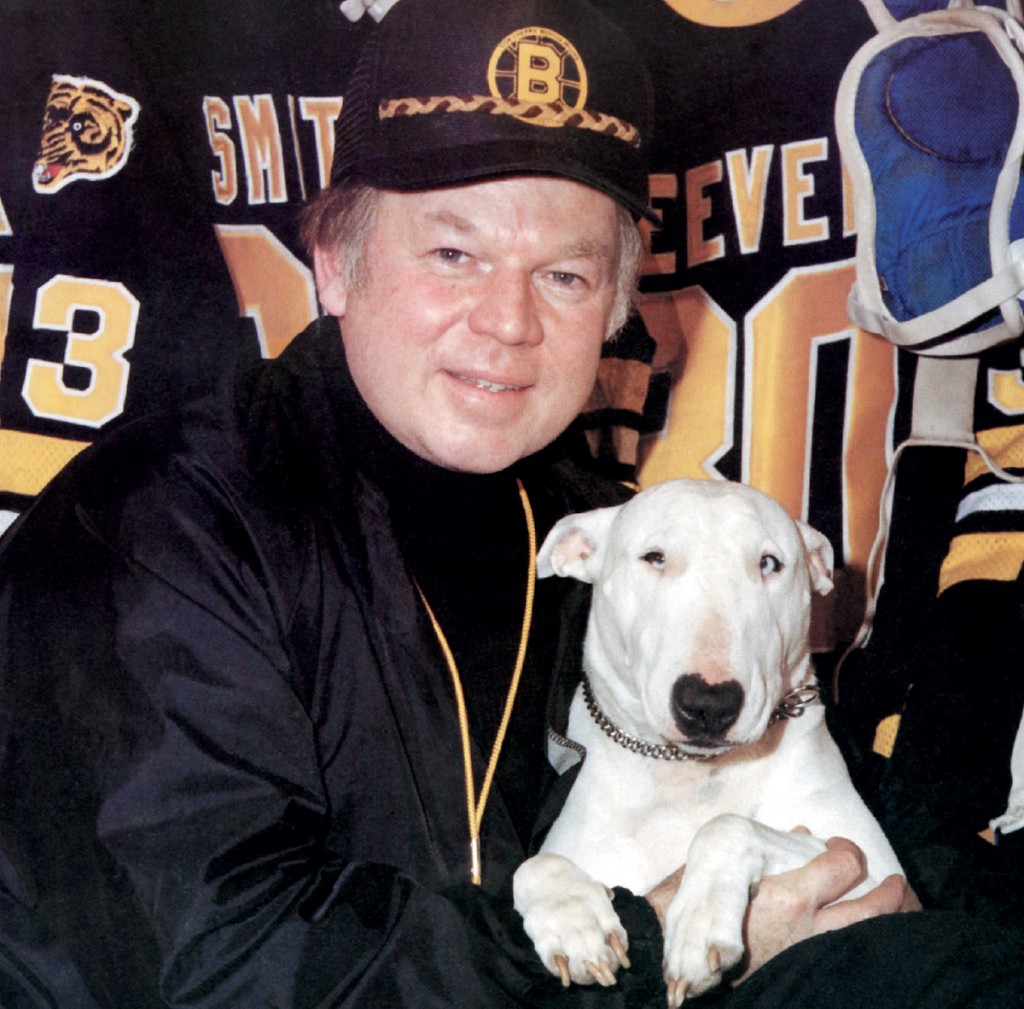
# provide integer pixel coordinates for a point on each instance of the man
(235, 115)
(274, 682)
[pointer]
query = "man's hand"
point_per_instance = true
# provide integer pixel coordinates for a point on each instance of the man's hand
(798, 904)
(661, 896)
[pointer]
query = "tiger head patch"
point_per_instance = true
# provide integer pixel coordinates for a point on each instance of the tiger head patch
(87, 133)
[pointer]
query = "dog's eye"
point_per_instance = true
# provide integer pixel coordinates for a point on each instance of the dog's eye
(656, 559)
(770, 565)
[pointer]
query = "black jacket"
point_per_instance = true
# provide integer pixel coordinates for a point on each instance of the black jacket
(229, 761)
(231, 772)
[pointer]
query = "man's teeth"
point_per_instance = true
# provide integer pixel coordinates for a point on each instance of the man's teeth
(488, 386)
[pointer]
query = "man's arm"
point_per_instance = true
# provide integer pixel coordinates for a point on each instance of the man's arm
(183, 810)
(239, 848)
(804, 902)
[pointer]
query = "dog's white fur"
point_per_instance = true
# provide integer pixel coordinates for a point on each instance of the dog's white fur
(714, 579)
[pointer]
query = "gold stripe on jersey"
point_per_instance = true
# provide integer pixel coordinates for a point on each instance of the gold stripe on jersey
(28, 462)
(990, 557)
(734, 14)
(885, 736)
(1004, 444)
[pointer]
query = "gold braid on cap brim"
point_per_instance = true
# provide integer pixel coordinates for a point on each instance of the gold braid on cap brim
(542, 113)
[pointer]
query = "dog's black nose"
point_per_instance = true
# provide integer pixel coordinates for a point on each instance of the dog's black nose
(705, 711)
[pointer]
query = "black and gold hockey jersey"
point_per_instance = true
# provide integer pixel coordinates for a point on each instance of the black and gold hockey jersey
(746, 281)
(151, 173)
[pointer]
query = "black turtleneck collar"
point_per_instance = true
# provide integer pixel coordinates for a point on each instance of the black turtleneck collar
(423, 495)
(464, 539)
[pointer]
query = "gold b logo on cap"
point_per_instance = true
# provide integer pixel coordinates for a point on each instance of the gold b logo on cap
(536, 67)
(534, 75)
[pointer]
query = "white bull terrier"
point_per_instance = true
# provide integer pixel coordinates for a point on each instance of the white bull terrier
(696, 663)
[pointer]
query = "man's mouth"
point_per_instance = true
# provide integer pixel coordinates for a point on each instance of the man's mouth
(481, 383)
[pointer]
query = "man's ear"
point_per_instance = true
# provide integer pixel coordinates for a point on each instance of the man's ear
(331, 284)
(575, 546)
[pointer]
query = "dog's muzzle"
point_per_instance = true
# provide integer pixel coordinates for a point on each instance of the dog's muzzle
(704, 712)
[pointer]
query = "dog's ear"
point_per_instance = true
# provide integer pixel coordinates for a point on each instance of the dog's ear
(820, 558)
(574, 547)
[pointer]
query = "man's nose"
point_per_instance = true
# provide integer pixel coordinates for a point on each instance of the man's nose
(506, 308)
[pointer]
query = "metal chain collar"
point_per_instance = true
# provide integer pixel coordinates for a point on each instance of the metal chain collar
(791, 706)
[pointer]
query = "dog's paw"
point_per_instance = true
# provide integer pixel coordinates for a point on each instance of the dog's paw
(703, 939)
(704, 924)
(570, 919)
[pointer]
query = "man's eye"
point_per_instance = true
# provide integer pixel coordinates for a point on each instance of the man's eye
(565, 279)
(450, 255)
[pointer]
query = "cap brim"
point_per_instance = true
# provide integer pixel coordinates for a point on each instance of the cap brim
(468, 163)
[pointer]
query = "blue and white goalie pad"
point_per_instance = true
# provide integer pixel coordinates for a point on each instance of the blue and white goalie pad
(930, 120)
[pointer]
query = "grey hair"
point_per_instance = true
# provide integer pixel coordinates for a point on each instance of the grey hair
(342, 219)
(631, 255)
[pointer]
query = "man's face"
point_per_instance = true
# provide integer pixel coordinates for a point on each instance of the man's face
(476, 334)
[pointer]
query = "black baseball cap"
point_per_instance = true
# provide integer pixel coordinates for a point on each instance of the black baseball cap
(447, 92)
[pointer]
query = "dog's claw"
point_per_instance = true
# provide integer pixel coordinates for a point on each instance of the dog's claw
(600, 972)
(615, 944)
(715, 960)
(676, 995)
